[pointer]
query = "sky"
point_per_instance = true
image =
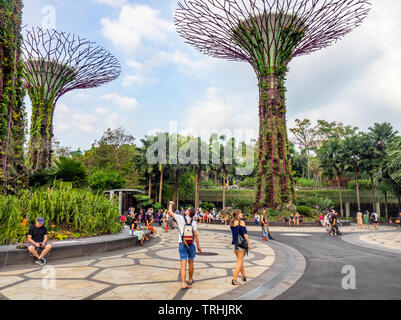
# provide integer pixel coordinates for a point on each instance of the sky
(164, 80)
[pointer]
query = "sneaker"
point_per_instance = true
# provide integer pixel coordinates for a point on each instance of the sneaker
(39, 262)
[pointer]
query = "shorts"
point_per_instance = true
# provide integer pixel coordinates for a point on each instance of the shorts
(187, 252)
(236, 248)
(31, 245)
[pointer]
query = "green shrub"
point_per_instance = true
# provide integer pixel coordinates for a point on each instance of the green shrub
(207, 206)
(305, 211)
(307, 183)
(208, 183)
(248, 183)
(364, 185)
(66, 170)
(245, 205)
(78, 210)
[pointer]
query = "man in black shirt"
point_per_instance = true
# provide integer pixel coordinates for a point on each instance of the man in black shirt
(37, 238)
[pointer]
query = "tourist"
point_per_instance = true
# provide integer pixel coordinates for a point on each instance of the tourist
(166, 221)
(256, 219)
(37, 239)
(375, 220)
(161, 215)
(226, 218)
(366, 219)
(327, 221)
(398, 221)
(240, 242)
(149, 226)
(291, 219)
(297, 219)
(334, 224)
(187, 250)
(138, 232)
(359, 219)
(263, 222)
(321, 219)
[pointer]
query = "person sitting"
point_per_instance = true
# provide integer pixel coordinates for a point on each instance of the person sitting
(37, 238)
(297, 219)
(149, 226)
(291, 219)
(138, 232)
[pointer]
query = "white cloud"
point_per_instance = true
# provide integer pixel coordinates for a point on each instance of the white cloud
(135, 25)
(125, 103)
(221, 110)
(134, 64)
(85, 122)
(101, 111)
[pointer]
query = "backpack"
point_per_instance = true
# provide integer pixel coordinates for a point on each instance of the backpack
(188, 234)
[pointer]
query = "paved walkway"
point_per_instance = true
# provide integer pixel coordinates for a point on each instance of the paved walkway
(150, 273)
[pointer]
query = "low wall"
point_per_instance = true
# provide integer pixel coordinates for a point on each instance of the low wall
(11, 256)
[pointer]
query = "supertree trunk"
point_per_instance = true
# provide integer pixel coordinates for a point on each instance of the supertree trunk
(274, 168)
(39, 153)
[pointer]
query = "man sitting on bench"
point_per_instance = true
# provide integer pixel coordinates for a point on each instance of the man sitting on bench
(37, 238)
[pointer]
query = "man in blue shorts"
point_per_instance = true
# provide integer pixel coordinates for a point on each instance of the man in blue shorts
(187, 229)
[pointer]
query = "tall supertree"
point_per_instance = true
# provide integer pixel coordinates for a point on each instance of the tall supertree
(268, 34)
(12, 108)
(54, 64)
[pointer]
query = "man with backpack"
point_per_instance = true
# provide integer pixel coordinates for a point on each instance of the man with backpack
(188, 234)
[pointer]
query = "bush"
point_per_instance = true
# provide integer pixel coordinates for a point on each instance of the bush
(78, 210)
(307, 183)
(208, 183)
(248, 183)
(66, 170)
(364, 185)
(305, 211)
(313, 201)
(246, 206)
(207, 206)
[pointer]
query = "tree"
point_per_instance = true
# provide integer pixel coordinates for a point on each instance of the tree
(305, 135)
(114, 151)
(331, 156)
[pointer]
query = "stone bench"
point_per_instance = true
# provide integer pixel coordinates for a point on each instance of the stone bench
(11, 256)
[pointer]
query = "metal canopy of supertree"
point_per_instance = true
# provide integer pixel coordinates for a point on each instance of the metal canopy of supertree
(54, 64)
(268, 34)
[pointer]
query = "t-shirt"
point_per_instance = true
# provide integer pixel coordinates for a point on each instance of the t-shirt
(38, 234)
(181, 223)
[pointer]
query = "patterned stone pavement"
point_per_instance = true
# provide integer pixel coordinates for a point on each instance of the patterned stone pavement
(390, 240)
(149, 273)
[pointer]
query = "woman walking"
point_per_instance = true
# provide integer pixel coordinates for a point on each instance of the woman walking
(240, 243)
(366, 219)
(359, 219)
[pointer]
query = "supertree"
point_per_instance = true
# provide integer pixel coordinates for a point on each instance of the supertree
(268, 34)
(54, 64)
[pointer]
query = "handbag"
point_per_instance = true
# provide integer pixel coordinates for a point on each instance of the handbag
(241, 242)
